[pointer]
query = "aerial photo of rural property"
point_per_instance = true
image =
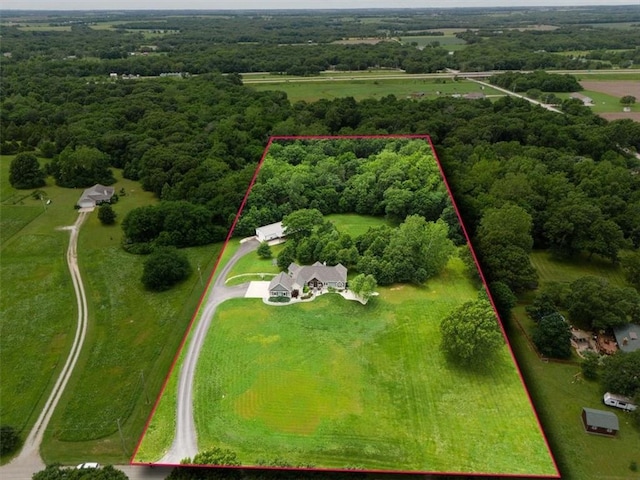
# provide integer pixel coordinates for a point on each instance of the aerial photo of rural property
(319, 241)
(361, 338)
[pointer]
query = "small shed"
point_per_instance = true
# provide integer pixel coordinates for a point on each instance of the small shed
(273, 231)
(600, 422)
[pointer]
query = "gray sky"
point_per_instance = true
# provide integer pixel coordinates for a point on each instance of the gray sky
(285, 4)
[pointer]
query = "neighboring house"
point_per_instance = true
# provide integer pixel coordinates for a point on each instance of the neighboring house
(600, 422)
(628, 337)
(586, 101)
(273, 231)
(95, 195)
(474, 96)
(316, 276)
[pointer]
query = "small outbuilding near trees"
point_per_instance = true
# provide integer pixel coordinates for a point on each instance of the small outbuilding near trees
(600, 422)
(273, 231)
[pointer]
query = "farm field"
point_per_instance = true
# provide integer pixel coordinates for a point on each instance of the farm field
(448, 40)
(361, 89)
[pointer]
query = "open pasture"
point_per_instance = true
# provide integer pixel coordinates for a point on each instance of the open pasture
(126, 353)
(335, 384)
(361, 89)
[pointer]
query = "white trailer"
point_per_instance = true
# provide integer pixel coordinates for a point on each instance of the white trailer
(619, 401)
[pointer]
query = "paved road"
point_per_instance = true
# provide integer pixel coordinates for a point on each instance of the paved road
(513, 94)
(29, 461)
(185, 442)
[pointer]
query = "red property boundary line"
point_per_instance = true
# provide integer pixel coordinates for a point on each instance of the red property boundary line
(271, 140)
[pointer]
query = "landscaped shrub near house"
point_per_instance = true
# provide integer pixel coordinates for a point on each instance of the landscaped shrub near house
(279, 299)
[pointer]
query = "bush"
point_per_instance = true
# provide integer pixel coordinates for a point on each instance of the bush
(279, 299)
(9, 439)
(106, 215)
(164, 268)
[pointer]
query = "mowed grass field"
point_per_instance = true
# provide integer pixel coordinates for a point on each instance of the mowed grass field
(336, 384)
(132, 337)
(374, 88)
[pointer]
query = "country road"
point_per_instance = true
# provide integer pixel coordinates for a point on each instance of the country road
(29, 461)
(185, 442)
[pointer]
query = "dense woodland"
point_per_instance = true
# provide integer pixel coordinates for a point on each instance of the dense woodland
(524, 178)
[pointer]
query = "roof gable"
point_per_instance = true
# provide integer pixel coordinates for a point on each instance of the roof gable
(601, 419)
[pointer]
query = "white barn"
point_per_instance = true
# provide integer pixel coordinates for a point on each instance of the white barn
(273, 231)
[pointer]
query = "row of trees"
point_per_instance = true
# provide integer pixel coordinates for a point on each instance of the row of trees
(540, 80)
(592, 303)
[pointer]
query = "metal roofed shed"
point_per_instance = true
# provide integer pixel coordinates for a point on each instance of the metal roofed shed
(600, 422)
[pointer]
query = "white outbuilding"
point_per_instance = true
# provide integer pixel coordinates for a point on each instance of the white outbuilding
(273, 231)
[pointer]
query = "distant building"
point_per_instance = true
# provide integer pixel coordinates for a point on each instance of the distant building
(586, 101)
(600, 422)
(474, 96)
(273, 231)
(95, 195)
(628, 337)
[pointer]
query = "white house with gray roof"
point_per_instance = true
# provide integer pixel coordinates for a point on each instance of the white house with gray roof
(316, 277)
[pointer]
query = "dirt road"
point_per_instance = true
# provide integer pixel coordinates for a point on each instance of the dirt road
(185, 442)
(29, 461)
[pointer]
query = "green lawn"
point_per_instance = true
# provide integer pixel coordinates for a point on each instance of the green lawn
(337, 384)
(378, 88)
(559, 397)
(551, 270)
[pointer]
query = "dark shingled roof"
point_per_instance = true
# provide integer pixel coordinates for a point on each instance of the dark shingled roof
(601, 419)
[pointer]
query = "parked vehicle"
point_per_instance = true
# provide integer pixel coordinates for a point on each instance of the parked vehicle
(88, 465)
(619, 401)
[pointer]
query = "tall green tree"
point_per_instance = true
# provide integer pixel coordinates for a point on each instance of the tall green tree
(164, 268)
(595, 303)
(552, 337)
(621, 373)
(470, 334)
(363, 285)
(25, 171)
